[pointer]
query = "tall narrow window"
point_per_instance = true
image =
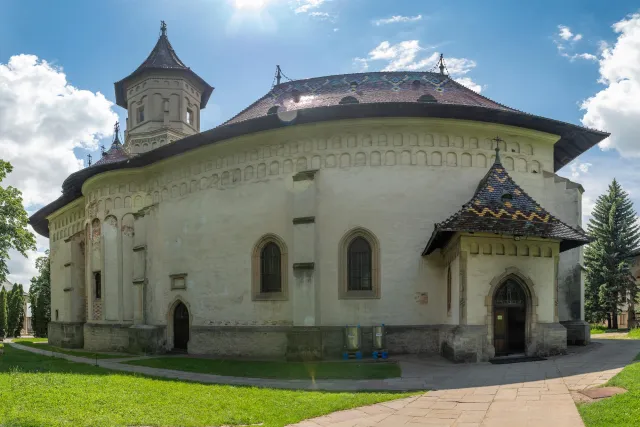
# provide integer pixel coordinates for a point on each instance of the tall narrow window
(190, 116)
(359, 265)
(140, 114)
(270, 272)
(448, 289)
(97, 285)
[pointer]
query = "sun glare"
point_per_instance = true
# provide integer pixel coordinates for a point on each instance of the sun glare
(250, 4)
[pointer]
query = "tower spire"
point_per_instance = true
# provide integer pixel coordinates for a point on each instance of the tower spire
(441, 64)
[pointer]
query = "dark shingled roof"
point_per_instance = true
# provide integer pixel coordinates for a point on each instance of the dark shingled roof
(366, 88)
(500, 206)
(162, 57)
(115, 153)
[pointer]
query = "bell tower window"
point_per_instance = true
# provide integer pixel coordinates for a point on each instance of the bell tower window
(140, 114)
(190, 116)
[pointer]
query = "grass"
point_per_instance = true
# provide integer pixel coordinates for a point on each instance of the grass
(280, 370)
(598, 329)
(19, 340)
(41, 343)
(620, 410)
(82, 395)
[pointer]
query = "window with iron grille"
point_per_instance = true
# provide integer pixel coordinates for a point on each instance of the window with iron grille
(270, 274)
(359, 274)
(97, 281)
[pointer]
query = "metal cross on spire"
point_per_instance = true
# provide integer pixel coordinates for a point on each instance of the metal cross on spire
(441, 64)
(163, 28)
(497, 140)
(89, 159)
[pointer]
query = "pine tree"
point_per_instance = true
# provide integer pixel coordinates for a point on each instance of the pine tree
(20, 303)
(615, 235)
(3, 313)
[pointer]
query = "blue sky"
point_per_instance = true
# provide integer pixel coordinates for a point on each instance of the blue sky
(542, 57)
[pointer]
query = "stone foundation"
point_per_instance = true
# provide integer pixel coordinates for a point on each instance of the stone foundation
(464, 343)
(66, 335)
(549, 339)
(106, 337)
(458, 343)
(578, 332)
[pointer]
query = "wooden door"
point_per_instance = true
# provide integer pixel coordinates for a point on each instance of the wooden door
(180, 327)
(500, 330)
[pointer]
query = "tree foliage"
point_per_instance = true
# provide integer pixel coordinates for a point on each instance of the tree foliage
(15, 310)
(40, 297)
(3, 312)
(615, 234)
(13, 223)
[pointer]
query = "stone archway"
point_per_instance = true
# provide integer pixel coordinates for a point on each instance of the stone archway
(512, 277)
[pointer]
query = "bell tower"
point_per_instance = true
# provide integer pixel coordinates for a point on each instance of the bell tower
(163, 98)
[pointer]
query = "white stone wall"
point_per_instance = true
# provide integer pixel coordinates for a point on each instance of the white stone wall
(202, 213)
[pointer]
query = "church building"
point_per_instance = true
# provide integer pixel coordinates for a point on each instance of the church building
(395, 198)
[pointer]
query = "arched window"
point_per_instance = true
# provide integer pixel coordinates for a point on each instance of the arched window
(273, 110)
(269, 264)
(270, 274)
(359, 262)
(449, 289)
(359, 265)
(427, 99)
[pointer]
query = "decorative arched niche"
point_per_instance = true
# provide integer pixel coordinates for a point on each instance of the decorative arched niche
(269, 245)
(531, 308)
(359, 256)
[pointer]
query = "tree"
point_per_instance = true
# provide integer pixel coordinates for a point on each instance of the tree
(40, 297)
(3, 312)
(615, 235)
(13, 223)
(15, 311)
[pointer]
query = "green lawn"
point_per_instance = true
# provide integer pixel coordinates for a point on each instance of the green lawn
(41, 344)
(19, 340)
(283, 370)
(43, 391)
(621, 410)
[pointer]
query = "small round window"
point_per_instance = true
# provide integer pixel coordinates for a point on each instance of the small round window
(273, 110)
(427, 99)
(349, 100)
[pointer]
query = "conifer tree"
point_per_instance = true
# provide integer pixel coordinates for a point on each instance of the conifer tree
(3, 312)
(40, 297)
(615, 235)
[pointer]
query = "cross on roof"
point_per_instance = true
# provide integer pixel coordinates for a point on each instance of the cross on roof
(116, 128)
(163, 28)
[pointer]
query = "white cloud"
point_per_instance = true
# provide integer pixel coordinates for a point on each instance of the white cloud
(42, 119)
(565, 44)
(616, 108)
(566, 34)
(467, 82)
(304, 6)
(360, 64)
(323, 16)
(578, 169)
(408, 55)
(397, 19)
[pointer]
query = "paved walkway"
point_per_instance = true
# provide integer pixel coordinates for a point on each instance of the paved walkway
(522, 394)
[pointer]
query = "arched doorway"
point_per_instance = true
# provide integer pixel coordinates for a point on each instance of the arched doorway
(509, 319)
(180, 327)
